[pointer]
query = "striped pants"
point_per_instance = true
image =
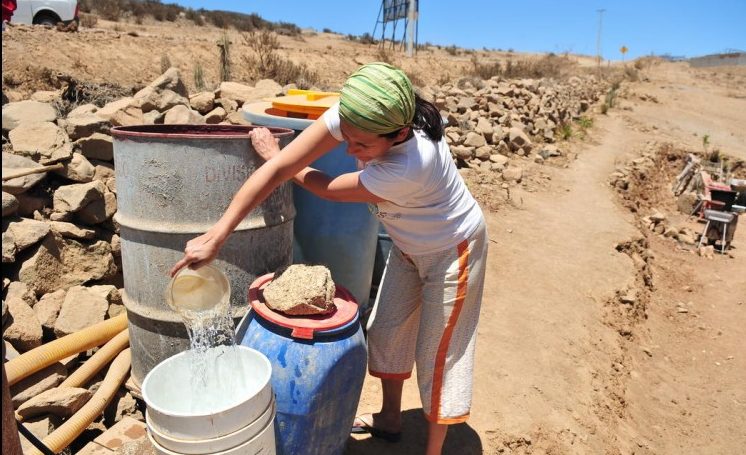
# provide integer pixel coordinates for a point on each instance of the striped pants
(427, 312)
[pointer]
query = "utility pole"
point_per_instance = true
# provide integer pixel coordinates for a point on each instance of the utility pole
(598, 38)
(411, 18)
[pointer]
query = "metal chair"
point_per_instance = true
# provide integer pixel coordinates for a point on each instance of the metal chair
(725, 218)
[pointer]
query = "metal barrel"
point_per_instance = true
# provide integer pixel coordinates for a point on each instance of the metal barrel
(173, 183)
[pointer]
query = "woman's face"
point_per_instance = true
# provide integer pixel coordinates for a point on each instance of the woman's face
(366, 146)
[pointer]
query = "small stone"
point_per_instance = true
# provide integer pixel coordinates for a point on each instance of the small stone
(78, 169)
(24, 332)
(60, 401)
(27, 232)
(81, 126)
(96, 147)
(10, 204)
(72, 231)
(37, 383)
(48, 308)
(513, 173)
(14, 163)
(27, 111)
(84, 307)
(202, 102)
(182, 115)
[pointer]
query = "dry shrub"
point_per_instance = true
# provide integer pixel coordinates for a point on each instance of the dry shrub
(452, 50)
(549, 66)
(266, 63)
(224, 46)
(88, 20)
(385, 55)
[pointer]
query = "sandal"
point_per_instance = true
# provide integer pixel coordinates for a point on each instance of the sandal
(367, 427)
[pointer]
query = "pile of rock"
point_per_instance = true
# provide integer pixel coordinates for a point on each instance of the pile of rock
(490, 122)
(658, 223)
(61, 245)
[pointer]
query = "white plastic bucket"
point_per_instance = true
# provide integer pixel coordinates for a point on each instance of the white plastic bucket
(263, 443)
(236, 392)
(222, 443)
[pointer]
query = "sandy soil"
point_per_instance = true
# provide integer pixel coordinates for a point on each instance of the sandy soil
(561, 368)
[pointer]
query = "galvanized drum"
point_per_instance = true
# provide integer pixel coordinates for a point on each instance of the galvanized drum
(173, 183)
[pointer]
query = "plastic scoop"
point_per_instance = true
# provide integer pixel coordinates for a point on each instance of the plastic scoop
(204, 289)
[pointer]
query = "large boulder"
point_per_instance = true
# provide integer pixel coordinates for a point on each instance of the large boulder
(37, 383)
(27, 111)
(27, 232)
(10, 204)
(24, 332)
(41, 141)
(15, 163)
(518, 139)
(84, 307)
(60, 263)
(301, 290)
(60, 401)
(78, 169)
(84, 125)
(183, 115)
(96, 147)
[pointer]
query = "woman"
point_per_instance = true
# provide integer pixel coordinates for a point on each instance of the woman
(428, 306)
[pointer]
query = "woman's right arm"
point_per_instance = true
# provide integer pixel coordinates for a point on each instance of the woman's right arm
(311, 144)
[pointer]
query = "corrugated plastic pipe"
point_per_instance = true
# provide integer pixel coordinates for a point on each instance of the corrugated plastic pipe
(71, 429)
(100, 359)
(39, 358)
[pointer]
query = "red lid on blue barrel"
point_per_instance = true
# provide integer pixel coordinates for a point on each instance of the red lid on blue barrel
(304, 326)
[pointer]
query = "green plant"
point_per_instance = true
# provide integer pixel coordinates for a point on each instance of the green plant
(705, 142)
(199, 77)
(565, 131)
(610, 98)
(165, 63)
(585, 122)
(224, 49)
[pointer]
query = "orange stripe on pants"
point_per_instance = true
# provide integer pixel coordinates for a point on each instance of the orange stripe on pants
(445, 341)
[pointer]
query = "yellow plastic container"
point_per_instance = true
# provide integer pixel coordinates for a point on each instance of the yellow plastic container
(308, 104)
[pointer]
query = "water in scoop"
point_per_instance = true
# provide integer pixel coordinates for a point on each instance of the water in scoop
(205, 310)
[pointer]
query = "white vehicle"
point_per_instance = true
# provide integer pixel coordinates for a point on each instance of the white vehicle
(45, 12)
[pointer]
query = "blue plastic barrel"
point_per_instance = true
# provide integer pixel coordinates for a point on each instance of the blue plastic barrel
(340, 235)
(318, 368)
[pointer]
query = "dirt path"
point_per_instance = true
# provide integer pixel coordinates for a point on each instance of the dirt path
(559, 369)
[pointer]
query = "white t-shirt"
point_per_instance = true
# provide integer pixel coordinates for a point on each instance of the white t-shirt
(428, 207)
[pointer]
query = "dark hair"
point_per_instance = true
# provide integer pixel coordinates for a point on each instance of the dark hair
(426, 118)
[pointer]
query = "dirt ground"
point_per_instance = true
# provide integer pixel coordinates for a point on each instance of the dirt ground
(558, 369)
(561, 367)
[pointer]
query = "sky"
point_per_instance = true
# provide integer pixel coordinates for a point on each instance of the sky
(686, 28)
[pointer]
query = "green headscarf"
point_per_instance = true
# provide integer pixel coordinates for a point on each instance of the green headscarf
(377, 98)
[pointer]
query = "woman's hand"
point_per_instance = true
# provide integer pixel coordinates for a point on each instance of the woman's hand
(264, 143)
(198, 252)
